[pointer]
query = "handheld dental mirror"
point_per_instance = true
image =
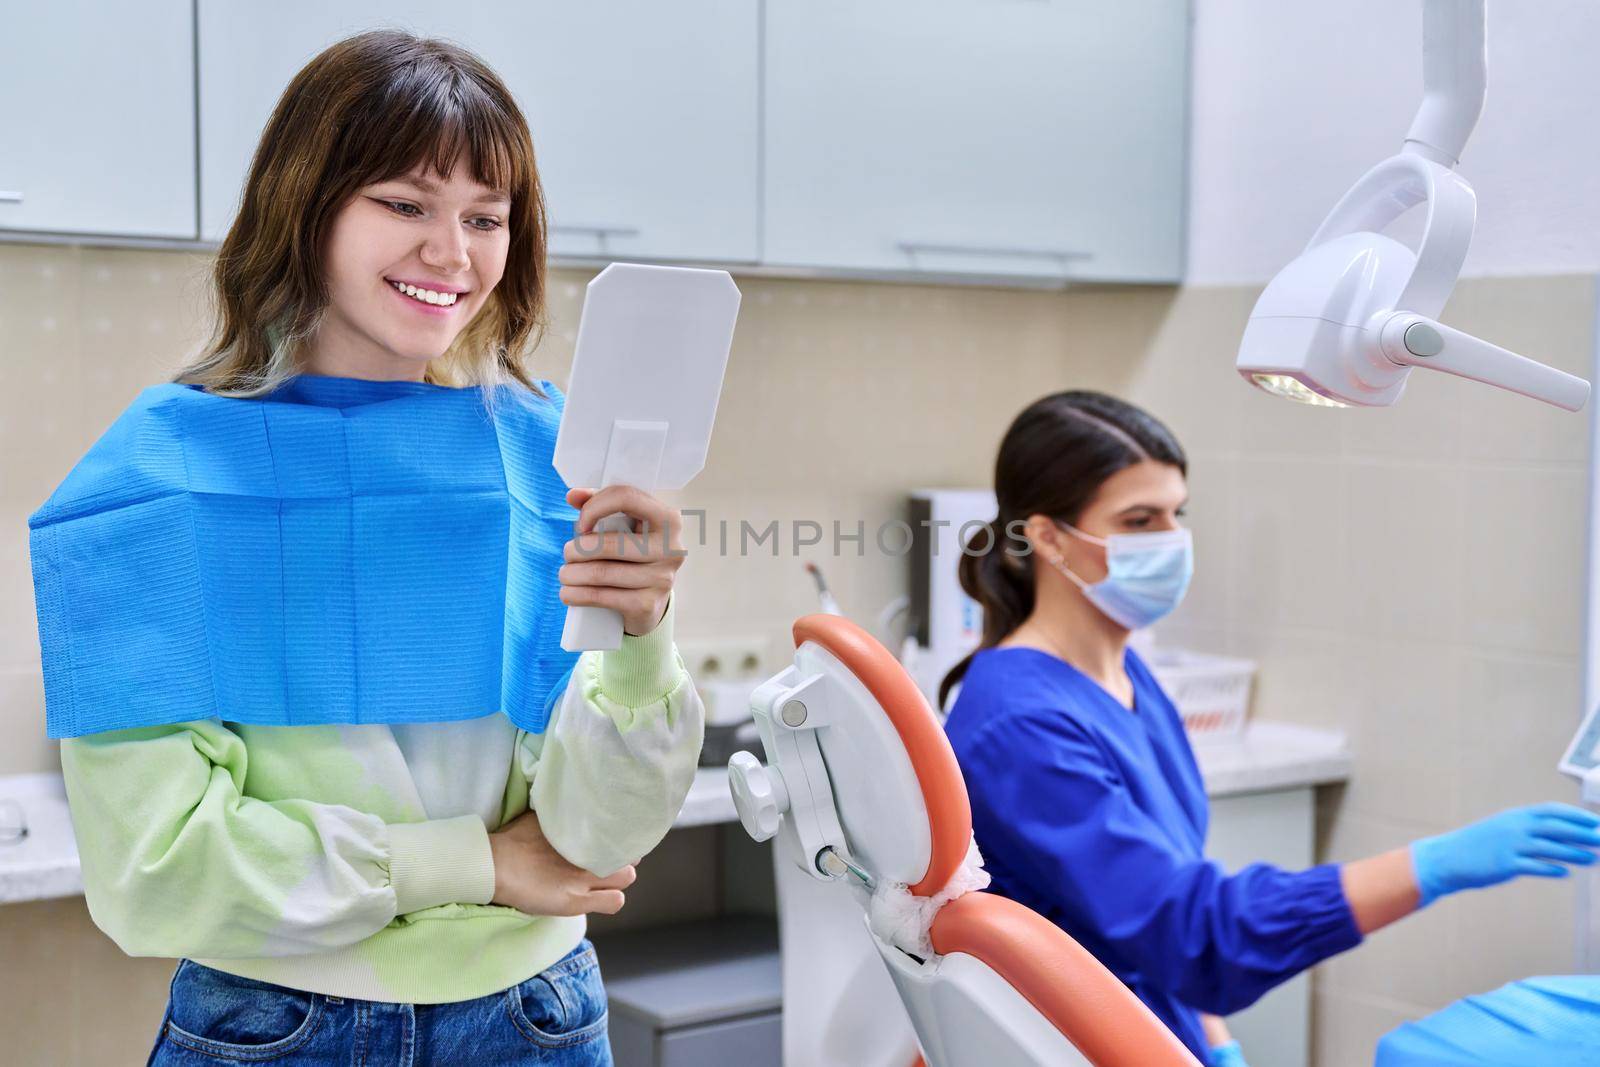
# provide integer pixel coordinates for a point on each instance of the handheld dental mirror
(646, 376)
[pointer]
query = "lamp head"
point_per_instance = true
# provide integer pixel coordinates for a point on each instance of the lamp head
(1307, 336)
(1343, 324)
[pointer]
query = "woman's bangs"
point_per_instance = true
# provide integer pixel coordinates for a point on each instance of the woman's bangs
(456, 121)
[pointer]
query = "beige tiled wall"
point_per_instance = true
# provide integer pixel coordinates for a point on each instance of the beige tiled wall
(1413, 576)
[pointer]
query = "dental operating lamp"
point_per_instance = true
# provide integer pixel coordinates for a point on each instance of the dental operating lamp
(1345, 322)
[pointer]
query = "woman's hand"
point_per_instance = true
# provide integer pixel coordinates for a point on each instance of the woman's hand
(631, 573)
(531, 876)
(1224, 1051)
(1228, 1054)
(1543, 840)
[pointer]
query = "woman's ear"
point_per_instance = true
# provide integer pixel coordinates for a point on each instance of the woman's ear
(1044, 538)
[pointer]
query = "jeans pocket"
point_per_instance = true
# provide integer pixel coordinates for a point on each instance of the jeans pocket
(232, 1018)
(564, 1005)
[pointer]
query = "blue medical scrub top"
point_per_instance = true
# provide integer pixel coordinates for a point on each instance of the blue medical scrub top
(1095, 816)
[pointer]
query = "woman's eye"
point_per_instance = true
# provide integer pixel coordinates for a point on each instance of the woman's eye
(493, 223)
(400, 207)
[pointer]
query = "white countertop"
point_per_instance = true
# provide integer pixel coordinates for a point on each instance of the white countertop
(1267, 756)
(1273, 755)
(45, 863)
(708, 801)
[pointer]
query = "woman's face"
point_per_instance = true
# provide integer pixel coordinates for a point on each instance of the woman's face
(1143, 498)
(409, 262)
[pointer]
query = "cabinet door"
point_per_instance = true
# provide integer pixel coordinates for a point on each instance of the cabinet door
(1274, 828)
(248, 53)
(1041, 139)
(645, 117)
(643, 114)
(97, 132)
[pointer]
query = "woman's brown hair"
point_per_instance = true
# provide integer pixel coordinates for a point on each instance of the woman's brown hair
(368, 109)
(1053, 460)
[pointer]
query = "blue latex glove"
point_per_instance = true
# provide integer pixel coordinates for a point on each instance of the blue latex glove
(1535, 840)
(1229, 1055)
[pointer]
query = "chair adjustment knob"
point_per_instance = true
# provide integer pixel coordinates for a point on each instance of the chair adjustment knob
(758, 795)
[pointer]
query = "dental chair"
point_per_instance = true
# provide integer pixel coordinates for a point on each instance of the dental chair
(863, 794)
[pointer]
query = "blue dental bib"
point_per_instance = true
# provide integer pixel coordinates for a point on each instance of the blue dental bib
(339, 551)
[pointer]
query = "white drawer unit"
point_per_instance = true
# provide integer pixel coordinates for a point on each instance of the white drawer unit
(695, 994)
(1275, 827)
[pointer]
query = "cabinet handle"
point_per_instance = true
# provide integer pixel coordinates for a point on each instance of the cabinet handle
(9, 197)
(602, 234)
(1064, 256)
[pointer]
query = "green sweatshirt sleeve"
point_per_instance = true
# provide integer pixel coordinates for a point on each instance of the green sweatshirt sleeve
(178, 862)
(614, 765)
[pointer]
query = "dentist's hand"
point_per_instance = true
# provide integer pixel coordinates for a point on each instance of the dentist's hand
(1227, 1055)
(1537, 840)
(631, 573)
(531, 876)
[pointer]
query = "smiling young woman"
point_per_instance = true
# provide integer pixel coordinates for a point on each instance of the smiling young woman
(373, 143)
(300, 612)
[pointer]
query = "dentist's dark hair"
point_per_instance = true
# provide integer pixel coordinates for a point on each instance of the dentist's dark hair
(1052, 461)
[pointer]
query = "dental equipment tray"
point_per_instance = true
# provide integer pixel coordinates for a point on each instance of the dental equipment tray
(695, 993)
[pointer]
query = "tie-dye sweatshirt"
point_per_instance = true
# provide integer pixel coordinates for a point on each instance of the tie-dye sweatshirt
(354, 860)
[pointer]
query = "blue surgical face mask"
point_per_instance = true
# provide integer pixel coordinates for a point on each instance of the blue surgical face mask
(1146, 575)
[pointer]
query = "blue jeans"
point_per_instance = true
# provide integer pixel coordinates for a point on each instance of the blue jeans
(554, 1019)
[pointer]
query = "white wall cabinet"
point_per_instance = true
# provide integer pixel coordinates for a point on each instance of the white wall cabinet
(1040, 139)
(97, 132)
(644, 115)
(646, 118)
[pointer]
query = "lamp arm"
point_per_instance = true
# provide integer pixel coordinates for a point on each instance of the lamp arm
(1454, 79)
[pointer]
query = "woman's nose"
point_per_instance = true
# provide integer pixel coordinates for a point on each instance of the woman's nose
(445, 249)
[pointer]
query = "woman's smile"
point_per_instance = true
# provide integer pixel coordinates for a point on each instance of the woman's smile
(429, 301)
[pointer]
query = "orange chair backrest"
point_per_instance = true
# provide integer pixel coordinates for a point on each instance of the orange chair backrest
(944, 791)
(1059, 977)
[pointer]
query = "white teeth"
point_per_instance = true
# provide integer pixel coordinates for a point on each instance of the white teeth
(426, 296)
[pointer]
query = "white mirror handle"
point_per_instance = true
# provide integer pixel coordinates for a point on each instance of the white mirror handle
(592, 629)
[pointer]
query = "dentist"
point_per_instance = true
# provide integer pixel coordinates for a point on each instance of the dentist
(1086, 800)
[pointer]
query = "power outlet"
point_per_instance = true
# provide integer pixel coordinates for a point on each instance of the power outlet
(726, 657)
